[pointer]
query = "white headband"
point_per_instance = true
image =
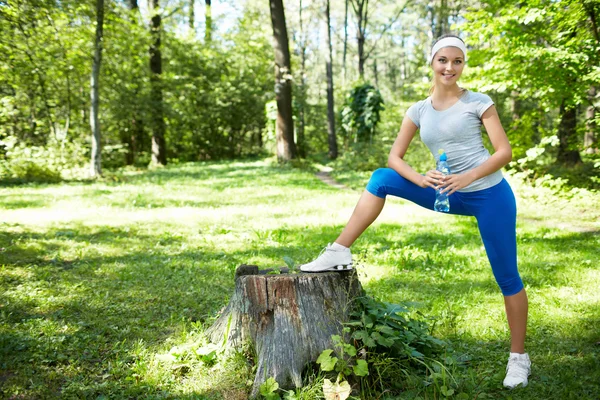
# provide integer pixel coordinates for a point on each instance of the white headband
(448, 42)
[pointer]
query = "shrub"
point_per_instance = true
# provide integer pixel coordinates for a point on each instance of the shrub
(20, 163)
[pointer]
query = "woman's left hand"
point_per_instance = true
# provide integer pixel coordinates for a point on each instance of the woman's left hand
(454, 182)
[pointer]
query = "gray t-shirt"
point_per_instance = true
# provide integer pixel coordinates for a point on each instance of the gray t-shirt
(457, 130)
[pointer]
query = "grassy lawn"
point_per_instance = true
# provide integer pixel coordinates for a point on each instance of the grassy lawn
(100, 283)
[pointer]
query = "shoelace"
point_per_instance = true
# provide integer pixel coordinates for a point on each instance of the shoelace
(517, 368)
(323, 251)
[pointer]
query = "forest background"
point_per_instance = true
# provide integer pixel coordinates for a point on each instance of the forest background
(134, 136)
(106, 84)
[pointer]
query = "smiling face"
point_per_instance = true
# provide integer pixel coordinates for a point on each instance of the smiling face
(447, 65)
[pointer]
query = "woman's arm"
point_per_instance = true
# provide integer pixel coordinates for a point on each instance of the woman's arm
(396, 157)
(502, 154)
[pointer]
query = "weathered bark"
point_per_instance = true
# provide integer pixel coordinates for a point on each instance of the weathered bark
(286, 148)
(567, 135)
(331, 137)
(96, 161)
(159, 151)
(288, 318)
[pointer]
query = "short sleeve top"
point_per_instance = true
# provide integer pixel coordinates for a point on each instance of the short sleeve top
(457, 130)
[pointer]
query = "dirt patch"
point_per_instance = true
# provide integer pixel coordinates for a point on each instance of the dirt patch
(327, 179)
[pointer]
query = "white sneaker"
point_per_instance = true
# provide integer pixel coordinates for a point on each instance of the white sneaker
(517, 370)
(330, 259)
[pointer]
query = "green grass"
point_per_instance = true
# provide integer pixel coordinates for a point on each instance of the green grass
(101, 282)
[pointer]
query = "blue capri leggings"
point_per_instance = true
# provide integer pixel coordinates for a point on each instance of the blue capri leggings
(494, 208)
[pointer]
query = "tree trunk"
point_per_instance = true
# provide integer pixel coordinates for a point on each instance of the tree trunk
(442, 19)
(375, 72)
(192, 20)
(135, 136)
(590, 141)
(286, 149)
(159, 153)
(95, 167)
(515, 111)
(345, 44)
(208, 29)
(332, 140)
(288, 318)
(515, 106)
(301, 95)
(567, 149)
(360, 35)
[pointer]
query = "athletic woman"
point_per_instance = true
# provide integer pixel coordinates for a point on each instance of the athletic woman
(451, 119)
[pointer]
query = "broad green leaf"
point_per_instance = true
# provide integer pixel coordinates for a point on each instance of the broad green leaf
(269, 386)
(446, 392)
(349, 349)
(361, 368)
(326, 361)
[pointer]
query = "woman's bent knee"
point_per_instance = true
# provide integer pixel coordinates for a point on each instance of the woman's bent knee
(380, 180)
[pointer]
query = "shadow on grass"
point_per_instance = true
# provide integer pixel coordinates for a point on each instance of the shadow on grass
(82, 318)
(63, 312)
(9, 202)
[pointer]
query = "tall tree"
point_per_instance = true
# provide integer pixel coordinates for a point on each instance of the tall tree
(300, 98)
(332, 141)
(209, 27)
(590, 141)
(568, 154)
(345, 43)
(134, 137)
(192, 15)
(361, 12)
(286, 148)
(159, 151)
(439, 18)
(95, 167)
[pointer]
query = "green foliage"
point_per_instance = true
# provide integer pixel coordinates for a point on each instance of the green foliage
(20, 163)
(513, 39)
(269, 389)
(361, 113)
(382, 327)
(214, 94)
(378, 336)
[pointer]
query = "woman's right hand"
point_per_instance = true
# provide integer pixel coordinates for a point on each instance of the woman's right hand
(433, 179)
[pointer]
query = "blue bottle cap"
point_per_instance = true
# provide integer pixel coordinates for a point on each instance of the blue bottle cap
(443, 157)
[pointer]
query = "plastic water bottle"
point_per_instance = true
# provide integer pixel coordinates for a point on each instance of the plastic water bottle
(442, 203)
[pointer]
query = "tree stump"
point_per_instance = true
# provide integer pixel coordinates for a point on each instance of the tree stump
(288, 318)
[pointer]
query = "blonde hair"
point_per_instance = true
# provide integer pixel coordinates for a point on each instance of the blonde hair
(432, 88)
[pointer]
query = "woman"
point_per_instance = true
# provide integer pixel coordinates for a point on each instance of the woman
(451, 119)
